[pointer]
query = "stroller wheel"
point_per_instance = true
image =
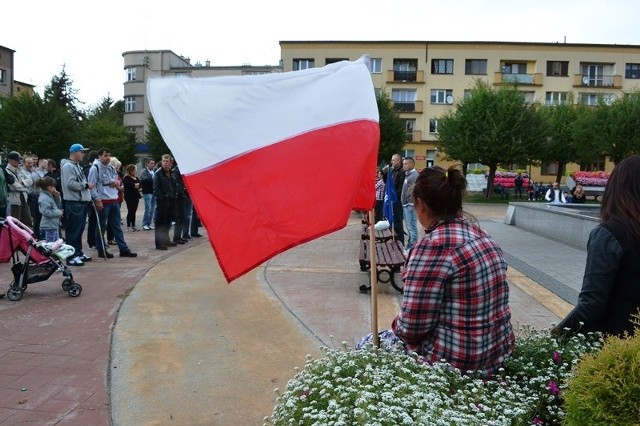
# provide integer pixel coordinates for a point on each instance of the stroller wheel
(75, 290)
(14, 295)
(66, 284)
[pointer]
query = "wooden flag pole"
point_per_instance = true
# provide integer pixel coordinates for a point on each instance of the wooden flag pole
(374, 279)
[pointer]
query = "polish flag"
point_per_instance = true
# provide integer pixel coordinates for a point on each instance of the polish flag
(271, 161)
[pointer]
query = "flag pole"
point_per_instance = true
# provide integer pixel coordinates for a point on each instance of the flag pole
(374, 279)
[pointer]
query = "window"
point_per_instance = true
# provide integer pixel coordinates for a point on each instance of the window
(467, 94)
(376, 65)
(433, 125)
(404, 100)
(441, 96)
(475, 67)
(328, 61)
(549, 168)
(3, 76)
(410, 126)
(131, 73)
(442, 66)
(592, 99)
(130, 104)
(377, 91)
(529, 97)
(556, 98)
(596, 166)
(405, 69)
(632, 71)
(409, 153)
(557, 68)
(514, 68)
(303, 64)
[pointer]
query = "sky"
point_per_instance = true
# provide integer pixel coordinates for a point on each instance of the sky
(88, 39)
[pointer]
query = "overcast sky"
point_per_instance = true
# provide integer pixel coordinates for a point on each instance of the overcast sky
(89, 39)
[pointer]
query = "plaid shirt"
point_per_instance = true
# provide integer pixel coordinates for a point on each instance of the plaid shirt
(456, 296)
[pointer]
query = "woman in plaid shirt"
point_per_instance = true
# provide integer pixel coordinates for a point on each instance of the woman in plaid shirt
(456, 296)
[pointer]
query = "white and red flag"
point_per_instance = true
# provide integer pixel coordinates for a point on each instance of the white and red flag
(271, 161)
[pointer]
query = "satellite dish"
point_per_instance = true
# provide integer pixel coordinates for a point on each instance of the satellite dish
(585, 80)
(450, 99)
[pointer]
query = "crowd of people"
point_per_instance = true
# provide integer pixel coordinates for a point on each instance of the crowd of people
(455, 303)
(87, 193)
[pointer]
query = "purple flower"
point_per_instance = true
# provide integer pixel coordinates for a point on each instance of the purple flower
(553, 388)
(557, 357)
(536, 421)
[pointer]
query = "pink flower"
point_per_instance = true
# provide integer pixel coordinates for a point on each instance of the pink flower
(536, 421)
(557, 357)
(553, 388)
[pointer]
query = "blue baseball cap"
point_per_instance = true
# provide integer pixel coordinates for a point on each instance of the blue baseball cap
(76, 147)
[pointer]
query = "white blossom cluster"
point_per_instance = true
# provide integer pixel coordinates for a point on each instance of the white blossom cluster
(379, 387)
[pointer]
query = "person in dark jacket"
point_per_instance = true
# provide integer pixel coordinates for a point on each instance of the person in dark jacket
(180, 216)
(610, 294)
(398, 175)
(164, 190)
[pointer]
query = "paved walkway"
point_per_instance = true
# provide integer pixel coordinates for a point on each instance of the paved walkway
(162, 339)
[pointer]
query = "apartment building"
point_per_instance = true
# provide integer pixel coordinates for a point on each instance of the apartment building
(6, 71)
(140, 65)
(425, 79)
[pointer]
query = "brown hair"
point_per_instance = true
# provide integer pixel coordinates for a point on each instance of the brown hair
(441, 190)
(45, 182)
(621, 198)
(130, 168)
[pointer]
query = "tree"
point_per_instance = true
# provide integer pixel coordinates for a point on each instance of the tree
(561, 141)
(61, 92)
(155, 143)
(492, 127)
(28, 124)
(393, 133)
(103, 128)
(620, 127)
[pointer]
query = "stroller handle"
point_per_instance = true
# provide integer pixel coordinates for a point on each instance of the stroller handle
(20, 227)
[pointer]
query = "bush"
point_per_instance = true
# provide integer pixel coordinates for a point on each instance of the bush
(605, 388)
(376, 387)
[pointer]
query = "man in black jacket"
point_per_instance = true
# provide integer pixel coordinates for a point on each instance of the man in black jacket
(398, 175)
(164, 190)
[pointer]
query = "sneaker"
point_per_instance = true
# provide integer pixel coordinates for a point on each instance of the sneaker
(196, 235)
(76, 261)
(128, 253)
(161, 248)
(85, 258)
(152, 227)
(112, 243)
(105, 254)
(180, 241)
(146, 227)
(186, 237)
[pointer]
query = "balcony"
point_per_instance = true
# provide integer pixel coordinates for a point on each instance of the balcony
(610, 81)
(408, 107)
(405, 76)
(520, 79)
(415, 136)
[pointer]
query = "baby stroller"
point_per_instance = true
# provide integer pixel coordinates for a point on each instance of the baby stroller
(41, 259)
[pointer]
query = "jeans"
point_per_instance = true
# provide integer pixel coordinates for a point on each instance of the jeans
(50, 235)
(149, 209)
(75, 215)
(110, 216)
(412, 225)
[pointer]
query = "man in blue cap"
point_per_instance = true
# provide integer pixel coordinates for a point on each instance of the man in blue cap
(76, 192)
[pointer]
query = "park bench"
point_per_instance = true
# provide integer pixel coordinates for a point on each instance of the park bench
(381, 235)
(389, 258)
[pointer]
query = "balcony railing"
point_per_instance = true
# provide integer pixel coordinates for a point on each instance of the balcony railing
(415, 136)
(408, 106)
(582, 80)
(528, 79)
(405, 76)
